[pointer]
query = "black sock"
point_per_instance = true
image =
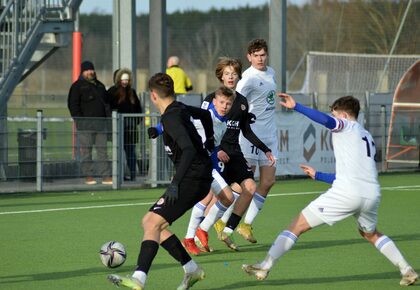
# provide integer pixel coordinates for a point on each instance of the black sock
(176, 250)
(233, 221)
(148, 251)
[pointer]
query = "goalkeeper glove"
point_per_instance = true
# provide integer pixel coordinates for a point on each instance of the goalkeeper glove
(152, 132)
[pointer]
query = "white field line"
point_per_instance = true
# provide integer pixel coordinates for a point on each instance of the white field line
(391, 188)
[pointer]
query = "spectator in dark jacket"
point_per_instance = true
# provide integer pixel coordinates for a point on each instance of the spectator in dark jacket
(88, 103)
(123, 98)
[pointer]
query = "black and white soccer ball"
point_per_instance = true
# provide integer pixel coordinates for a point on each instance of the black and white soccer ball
(112, 254)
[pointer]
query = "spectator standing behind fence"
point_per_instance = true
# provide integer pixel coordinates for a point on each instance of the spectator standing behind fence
(88, 103)
(182, 83)
(124, 99)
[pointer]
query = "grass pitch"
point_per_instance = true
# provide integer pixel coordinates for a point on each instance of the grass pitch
(51, 241)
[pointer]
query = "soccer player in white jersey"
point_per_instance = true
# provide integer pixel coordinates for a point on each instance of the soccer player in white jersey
(259, 87)
(355, 190)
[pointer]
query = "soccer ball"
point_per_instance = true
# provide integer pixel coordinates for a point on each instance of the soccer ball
(112, 254)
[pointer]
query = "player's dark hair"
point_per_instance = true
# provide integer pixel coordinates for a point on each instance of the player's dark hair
(224, 91)
(162, 84)
(257, 45)
(348, 104)
(225, 62)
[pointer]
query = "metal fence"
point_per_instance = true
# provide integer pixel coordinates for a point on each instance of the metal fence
(44, 153)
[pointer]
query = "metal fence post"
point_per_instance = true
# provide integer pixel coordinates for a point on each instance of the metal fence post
(383, 137)
(116, 178)
(39, 150)
(153, 156)
(367, 110)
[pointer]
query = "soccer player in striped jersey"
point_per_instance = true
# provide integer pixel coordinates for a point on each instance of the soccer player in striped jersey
(355, 190)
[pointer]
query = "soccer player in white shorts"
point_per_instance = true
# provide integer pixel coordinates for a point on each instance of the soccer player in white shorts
(259, 87)
(355, 190)
(255, 156)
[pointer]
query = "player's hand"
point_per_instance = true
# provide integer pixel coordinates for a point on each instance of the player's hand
(251, 118)
(271, 158)
(152, 132)
(171, 194)
(308, 170)
(289, 102)
(209, 144)
(222, 156)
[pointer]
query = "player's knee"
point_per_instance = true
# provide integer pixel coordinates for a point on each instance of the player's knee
(148, 223)
(249, 187)
(227, 200)
(267, 184)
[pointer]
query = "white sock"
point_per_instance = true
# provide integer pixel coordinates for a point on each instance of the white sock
(197, 215)
(254, 208)
(228, 212)
(283, 243)
(387, 247)
(141, 276)
(215, 212)
(190, 267)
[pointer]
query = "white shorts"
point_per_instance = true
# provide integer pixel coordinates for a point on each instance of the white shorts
(218, 183)
(255, 156)
(332, 207)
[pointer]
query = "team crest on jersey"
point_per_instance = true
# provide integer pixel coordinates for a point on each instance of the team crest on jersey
(243, 107)
(160, 201)
(270, 97)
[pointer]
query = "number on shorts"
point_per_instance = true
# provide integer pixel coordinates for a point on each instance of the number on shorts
(253, 148)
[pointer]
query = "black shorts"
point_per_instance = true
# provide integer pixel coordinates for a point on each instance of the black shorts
(190, 192)
(237, 170)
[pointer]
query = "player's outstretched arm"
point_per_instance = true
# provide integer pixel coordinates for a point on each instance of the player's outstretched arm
(317, 175)
(317, 116)
(310, 171)
(288, 102)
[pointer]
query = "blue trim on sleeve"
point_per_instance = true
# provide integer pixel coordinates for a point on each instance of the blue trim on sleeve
(325, 177)
(159, 128)
(316, 116)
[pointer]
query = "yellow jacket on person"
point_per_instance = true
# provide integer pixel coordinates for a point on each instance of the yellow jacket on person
(182, 82)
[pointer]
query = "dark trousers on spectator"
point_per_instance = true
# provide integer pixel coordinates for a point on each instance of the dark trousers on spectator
(130, 153)
(88, 140)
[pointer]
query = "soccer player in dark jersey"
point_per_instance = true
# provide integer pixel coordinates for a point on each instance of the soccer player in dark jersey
(236, 169)
(190, 184)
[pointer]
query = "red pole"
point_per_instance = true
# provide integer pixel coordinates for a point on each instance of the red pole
(77, 54)
(77, 60)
